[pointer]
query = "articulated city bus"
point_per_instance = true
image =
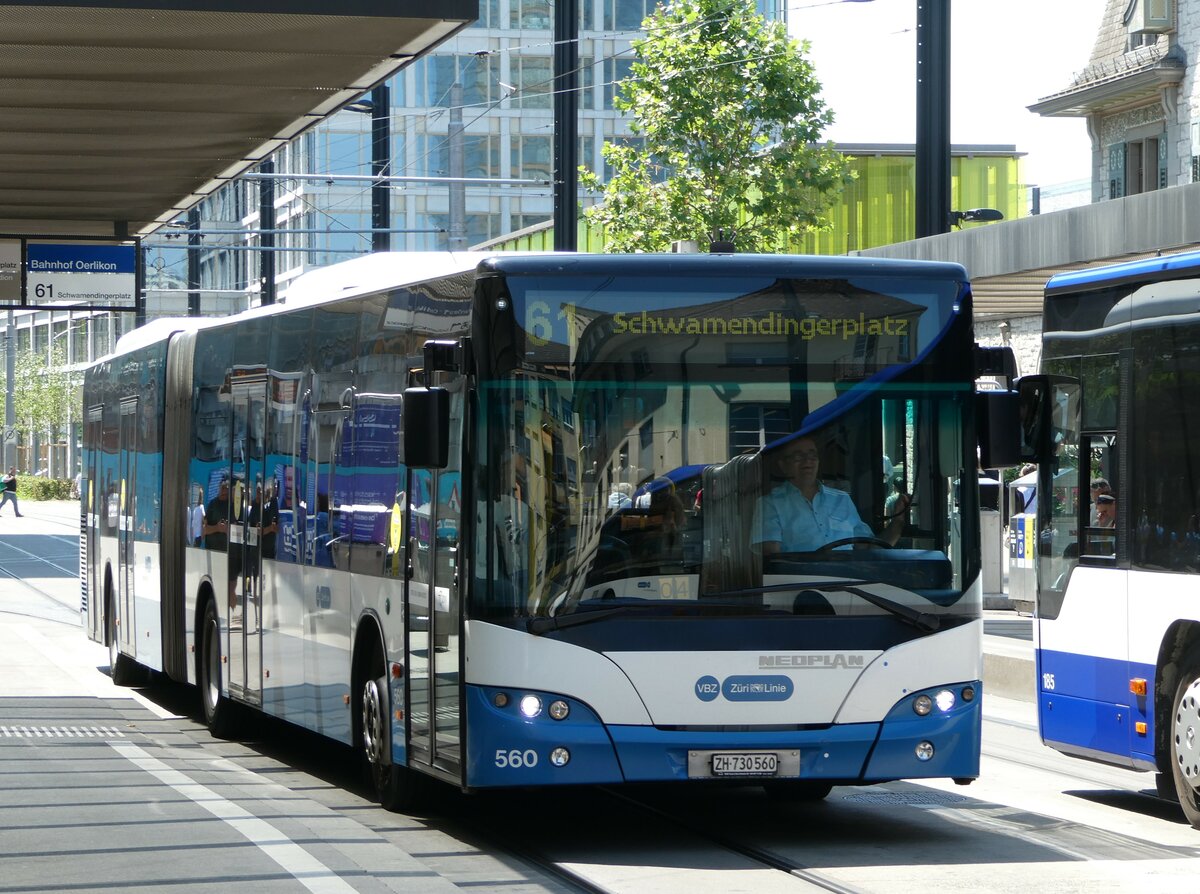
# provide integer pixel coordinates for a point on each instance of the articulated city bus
(498, 520)
(1117, 613)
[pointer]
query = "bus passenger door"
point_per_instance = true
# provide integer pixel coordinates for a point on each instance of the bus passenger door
(92, 496)
(125, 534)
(435, 683)
(245, 560)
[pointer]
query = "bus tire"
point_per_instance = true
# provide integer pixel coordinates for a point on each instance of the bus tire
(798, 791)
(219, 711)
(397, 788)
(1185, 741)
(122, 669)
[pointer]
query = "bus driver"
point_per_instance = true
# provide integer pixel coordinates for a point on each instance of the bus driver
(801, 514)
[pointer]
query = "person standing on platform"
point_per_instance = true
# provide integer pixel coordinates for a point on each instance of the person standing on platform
(9, 494)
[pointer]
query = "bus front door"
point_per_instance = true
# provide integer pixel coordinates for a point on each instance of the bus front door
(126, 631)
(434, 654)
(245, 559)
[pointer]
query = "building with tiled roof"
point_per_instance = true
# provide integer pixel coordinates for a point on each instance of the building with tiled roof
(1139, 94)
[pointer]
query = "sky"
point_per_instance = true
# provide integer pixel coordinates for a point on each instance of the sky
(1005, 55)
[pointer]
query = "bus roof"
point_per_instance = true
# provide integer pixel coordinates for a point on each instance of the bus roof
(387, 270)
(373, 272)
(1164, 267)
(704, 264)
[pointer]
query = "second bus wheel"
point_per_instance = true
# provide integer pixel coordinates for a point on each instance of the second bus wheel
(121, 668)
(219, 712)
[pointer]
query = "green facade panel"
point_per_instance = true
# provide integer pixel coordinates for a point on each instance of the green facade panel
(878, 208)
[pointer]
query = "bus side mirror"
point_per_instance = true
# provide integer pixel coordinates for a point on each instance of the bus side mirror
(425, 421)
(1035, 422)
(999, 415)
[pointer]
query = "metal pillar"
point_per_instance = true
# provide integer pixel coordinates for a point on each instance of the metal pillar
(381, 161)
(457, 186)
(193, 261)
(566, 125)
(10, 372)
(266, 238)
(933, 118)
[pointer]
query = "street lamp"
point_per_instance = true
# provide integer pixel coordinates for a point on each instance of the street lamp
(975, 215)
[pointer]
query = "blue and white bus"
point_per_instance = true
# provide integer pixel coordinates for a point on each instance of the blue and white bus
(491, 519)
(1118, 617)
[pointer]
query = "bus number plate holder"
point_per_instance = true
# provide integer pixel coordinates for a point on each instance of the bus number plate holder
(744, 764)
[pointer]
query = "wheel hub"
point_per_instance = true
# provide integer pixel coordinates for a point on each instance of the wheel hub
(372, 722)
(1187, 722)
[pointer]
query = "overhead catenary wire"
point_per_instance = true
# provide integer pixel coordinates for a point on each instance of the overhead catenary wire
(542, 90)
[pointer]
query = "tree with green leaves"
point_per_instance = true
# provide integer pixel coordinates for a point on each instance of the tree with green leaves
(726, 114)
(44, 392)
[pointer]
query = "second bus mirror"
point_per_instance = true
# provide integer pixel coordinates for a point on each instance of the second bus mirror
(425, 443)
(1049, 415)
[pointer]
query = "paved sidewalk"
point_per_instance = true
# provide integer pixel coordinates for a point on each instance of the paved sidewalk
(39, 513)
(39, 561)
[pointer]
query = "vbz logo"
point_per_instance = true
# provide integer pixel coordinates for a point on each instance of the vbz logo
(708, 688)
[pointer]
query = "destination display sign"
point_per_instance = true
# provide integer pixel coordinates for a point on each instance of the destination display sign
(66, 273)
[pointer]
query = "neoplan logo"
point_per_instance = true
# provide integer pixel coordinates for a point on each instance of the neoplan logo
(821, 661)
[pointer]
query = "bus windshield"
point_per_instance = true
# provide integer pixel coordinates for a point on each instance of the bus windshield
(676, 447)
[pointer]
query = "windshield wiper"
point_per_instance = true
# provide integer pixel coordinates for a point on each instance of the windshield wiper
(540, 625)
(919, 619)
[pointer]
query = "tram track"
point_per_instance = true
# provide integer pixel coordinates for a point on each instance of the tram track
(761, 855)
(629, 841)
(35, 569)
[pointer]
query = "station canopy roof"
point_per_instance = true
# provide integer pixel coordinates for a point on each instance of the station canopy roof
(118, 115)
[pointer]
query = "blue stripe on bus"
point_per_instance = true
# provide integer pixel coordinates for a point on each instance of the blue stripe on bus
(505, 748)
(1084, 702)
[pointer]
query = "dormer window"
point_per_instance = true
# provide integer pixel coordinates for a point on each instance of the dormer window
(1149, 17)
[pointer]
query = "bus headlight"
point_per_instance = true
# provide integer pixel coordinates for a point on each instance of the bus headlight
(944, 700)
(922, 704)
(968, 693)
(559, 709)
(531, 706)
(924, 751)
(559, 757)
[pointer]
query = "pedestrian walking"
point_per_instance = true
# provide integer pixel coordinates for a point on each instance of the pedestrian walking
(9, 494)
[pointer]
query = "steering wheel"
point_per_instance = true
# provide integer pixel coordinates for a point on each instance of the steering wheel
(849, 541)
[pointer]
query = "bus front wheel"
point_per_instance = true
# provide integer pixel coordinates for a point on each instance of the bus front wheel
(1185, 743)
(397, 788)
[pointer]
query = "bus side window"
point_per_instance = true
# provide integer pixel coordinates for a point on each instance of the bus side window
(1101, 519)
